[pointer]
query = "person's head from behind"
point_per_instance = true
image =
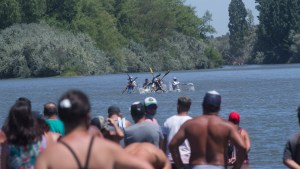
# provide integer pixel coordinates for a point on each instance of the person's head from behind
(137, 111)
(74, 108)
(113, 110)
(50, 109)
(234, 117)
(25, 100)
(175, 79)
(101, 124)
(150, 104)
(183, 104)
(211, 102)
(20, 127)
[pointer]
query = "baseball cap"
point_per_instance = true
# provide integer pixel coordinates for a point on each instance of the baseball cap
(113, 109)
(212, 98)
(150, 101)
(234, 117)
(137, 109)
(99, 122)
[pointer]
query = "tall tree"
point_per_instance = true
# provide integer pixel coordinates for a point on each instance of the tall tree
(278, 19)
(9, 13)
(238, 29)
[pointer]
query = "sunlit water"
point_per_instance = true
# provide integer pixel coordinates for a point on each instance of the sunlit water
(266, 97)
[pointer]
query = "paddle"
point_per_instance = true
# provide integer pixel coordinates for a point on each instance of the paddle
(165, 74)
(151, 71)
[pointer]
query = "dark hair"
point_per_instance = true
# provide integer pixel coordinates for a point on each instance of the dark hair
(43, 126)
(50, 109)
(73, 108)
(25, 100)
(113, 110)
(20, 127)
(184, 103)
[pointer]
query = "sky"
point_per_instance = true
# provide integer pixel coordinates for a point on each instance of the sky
(219, 11)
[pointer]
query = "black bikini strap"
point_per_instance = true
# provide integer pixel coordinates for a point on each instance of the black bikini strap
(89, 153)
(73, 153)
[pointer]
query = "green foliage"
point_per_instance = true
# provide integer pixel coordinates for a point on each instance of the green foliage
(278, 18)
(215, 59)
(32, 10)
(9, 13)
(238, 28)
(146, 21)
(178, 52)
(295, 48)
(134, 34)
(62, 10)
(36, 50)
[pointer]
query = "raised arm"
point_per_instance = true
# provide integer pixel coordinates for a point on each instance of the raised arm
(119, 131)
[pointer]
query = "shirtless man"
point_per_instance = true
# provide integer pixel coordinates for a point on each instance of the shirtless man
(150, 153)
(78, 148)
(208, 135)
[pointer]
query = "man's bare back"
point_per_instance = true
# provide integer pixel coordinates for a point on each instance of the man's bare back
(208, 135)
(150, 153)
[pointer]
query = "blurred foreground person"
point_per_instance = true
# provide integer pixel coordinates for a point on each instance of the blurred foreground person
(208, 136)
(291, 154)
(78, 148)
(55, 124)
(150, 153)
(24, 140)
(114, 134)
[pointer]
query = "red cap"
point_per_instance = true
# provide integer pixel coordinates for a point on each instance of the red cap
(234, 117)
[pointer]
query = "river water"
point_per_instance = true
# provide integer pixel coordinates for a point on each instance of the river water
(266, 96)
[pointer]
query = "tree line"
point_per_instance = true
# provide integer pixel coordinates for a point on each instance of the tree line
(275, 40)
(85, 37)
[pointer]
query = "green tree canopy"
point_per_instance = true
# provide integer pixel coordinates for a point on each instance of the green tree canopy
(238, 28)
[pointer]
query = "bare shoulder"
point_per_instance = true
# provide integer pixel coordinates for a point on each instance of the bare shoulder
(244, 132)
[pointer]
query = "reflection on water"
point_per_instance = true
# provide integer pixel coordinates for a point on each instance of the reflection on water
(266, 97)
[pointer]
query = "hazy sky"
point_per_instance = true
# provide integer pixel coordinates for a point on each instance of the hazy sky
(219, 10)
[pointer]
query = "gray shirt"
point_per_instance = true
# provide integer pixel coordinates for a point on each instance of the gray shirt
(292, 147)
(143, 132)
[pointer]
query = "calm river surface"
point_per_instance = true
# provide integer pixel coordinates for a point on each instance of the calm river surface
(266, 97)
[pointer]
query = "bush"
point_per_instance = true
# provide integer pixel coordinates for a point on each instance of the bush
(37, 50)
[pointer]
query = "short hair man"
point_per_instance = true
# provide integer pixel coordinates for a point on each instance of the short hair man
(79, 147)
(208, 136)
(142, 131)
(172, 125)
(291, 154)
(55, 124)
